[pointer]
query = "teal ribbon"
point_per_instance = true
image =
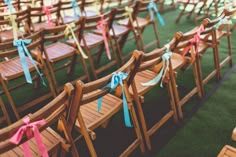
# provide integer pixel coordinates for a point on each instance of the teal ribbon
(152, 8)
(76, 9)
(117, 79)
(161, 75)
(22, 50)
(10, 6)
(222, 22)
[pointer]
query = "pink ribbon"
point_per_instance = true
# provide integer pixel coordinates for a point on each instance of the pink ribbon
(196, 40)
(30, 128)
(101, 26)
(46, 10)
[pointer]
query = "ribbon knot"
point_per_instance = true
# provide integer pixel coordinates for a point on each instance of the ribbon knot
(222, 22)
(76, 9)
(101, 25)
(23, 51)
(46, 10)
(129, 12)
(68, 31)
(165, 66)
(10, 6)
(117, 79)
(195, 41)
(30, 129)
(152, 8)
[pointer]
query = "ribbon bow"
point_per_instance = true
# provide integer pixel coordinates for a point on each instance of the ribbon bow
(196, 40)
(165, 66)
(101, 25)
(12, 19)
(152, 8)
(76, 9)
(117, 79)
(22, 51)
(222, 22)
(28, 129)
(10, 6)
(46, 10)
(68, 31)
(129, 12)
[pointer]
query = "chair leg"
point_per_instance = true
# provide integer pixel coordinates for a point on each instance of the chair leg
(156, 34)
(71, 68)
(85, 133)
(118, 50)
(5, 114)
(10, 98)
(90, 59)
(181, 14)
(230, 49)
(113, 51)
(85, 68)
(172, 101)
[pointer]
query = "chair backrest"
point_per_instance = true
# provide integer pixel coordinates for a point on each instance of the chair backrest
(67, 6)
(8, 50)
(57, 33)
(85, 93)
(37, 13)
(59, 107)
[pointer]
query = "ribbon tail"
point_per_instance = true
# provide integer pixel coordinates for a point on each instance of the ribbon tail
(155, 80)
(40, 143)
(79, 47)
(163, 77)
(106, 44)
(99, 104)
(151, 14)
(26, 149)
(126, 110)
(160, 18)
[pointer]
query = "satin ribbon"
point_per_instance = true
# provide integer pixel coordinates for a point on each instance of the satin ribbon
(129, 12)
(46, 10)
(222, 22)
(101, 25)
(196, 40)
(117, 79)
(165, 66)
(12, 19)
(30, 129)
(22, 51)
(152, 8)
(68, 31)
(76, 9)
(10, 6)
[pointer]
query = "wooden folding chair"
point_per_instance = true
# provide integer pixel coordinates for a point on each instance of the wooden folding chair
(87, 96)
(58, 54)
(20, 19)
(150, 69)
(93, 37)
(57, 109)
(191, 47)
(11, 68)
(44, 16)
(197, 7)
(120, 32)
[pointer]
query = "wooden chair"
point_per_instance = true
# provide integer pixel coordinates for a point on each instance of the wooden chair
(141, 23)
(86, 97)
(120, 32)
(227, 151)
(57, 50)
(195, 4)
(89, 12)
(92, 38)
(150, 69)
(11, 68)
(18, 18)
(58, 108)
(44, 16)
(189, 47)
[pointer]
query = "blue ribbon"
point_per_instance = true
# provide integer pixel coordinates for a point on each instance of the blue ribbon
(76, 9)
(117, 79)
(10, 6)
(22, 50)
(161, 75)
(152, 8)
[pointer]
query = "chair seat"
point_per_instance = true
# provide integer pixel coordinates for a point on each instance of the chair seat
(43, 25)
(7, 35)
(92, 118)
(119, 30)
(227, 151)
(50, 138)
(90, 13)
(68, 19)
(12, 68)
(58, 50)
(142, 22)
